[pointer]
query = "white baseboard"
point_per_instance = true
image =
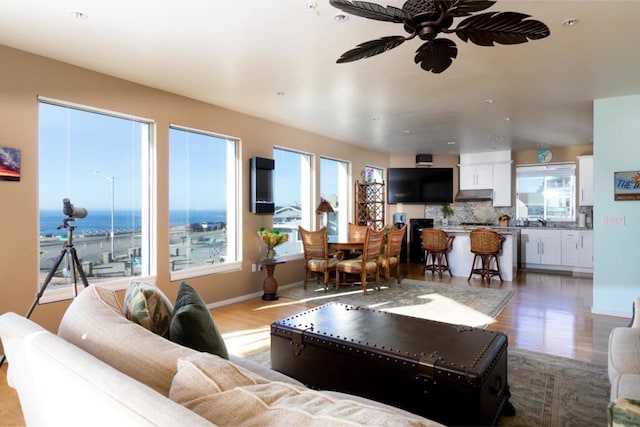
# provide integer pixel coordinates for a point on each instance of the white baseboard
(244, 297)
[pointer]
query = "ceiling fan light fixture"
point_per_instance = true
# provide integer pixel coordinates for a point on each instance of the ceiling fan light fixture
(78, 15)
(570, 22)
(341, 17)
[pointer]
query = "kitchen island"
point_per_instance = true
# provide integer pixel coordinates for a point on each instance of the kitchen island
(461, 257)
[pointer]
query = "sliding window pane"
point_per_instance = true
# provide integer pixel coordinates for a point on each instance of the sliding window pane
(203, 199)
(334, 188)
(96, 160)
(292, 196)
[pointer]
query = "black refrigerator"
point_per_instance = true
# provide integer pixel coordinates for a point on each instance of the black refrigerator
(416, 253)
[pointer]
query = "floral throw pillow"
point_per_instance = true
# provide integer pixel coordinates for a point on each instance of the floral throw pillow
(146, 305)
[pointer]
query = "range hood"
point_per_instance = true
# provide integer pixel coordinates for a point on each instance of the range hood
(474, 195)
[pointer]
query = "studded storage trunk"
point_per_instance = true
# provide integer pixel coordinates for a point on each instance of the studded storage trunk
(456, 375)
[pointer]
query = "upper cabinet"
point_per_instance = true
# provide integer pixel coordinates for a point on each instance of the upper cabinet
(480, 171)
(585, 181)
(476, 177)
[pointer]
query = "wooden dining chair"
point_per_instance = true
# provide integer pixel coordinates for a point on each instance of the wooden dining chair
(367, 263)
(356, 233)
(390, 258)
(316, 254)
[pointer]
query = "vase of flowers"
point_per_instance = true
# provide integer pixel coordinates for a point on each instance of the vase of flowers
(504, 220)
(271, 239)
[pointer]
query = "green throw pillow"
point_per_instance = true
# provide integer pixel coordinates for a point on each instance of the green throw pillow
(192, 325)
(146, 305)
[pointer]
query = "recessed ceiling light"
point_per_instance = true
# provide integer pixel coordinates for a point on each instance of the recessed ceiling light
(406, 131)
(341, 17)
(489, 101)
(506, 119)
(451, 142)
(79, 15)
(570, 22)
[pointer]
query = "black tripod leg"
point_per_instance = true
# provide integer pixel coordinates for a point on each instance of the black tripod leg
(74, 256)
(40, 292)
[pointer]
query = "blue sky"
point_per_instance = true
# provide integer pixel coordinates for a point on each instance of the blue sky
(74, 144)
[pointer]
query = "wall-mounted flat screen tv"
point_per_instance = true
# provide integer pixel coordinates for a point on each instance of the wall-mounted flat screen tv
(419, 185)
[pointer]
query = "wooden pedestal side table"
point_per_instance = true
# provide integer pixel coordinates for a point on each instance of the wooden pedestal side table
(270, 284)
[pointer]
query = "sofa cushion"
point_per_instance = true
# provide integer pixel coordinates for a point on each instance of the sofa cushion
(146, 305)
(192, 324)
(94, 322)
(59, 384)
(226, 394)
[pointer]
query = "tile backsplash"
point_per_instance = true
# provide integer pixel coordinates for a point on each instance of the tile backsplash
(484, 211)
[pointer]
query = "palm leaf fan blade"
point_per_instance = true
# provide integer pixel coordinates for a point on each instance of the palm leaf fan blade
(458, 8)
(436, 55)
(502, 28)
(370, 10)
(371, 48)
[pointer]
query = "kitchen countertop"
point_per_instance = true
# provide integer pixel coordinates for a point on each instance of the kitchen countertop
(551, 226)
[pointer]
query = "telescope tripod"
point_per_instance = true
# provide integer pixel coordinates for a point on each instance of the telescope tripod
(72, 265)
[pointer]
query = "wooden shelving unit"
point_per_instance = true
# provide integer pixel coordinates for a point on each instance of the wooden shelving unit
(369, 204)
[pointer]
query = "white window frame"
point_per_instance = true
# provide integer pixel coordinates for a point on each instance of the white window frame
(344, 196)
(306, 189)
(233, 205)
(147, 215)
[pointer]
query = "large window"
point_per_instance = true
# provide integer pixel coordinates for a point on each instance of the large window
(546, 192)
(334, 188)
(292, 178)
(99, 161)
(203, 202)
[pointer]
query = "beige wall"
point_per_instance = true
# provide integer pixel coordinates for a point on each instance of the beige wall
(24, 77)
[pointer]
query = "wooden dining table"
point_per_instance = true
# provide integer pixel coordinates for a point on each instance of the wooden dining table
(345, 245)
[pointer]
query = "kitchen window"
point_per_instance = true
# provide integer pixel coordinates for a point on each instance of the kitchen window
(546, 192)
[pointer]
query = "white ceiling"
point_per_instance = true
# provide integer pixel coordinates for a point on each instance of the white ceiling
(275, 59)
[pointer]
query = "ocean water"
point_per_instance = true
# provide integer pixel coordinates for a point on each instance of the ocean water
(98, 222)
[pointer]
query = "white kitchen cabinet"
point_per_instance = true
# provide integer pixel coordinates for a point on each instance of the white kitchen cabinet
(541, 247)
(577, 248)
(585, 180)
(502, 184)
(481, 171)
(476, 177)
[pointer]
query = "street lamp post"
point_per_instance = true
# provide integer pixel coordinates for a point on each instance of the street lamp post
(111, 179)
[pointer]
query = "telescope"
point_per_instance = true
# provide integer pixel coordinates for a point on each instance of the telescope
(71, 211)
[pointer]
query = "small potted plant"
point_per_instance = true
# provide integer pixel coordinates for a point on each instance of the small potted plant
(447, 211)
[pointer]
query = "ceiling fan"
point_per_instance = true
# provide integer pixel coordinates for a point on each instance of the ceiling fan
(426, 19)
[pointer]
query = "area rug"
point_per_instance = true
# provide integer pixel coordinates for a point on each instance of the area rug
(463, 305)
(545, 390)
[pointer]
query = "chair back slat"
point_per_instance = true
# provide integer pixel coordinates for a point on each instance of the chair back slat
(357, 233)
(394, 241)
(373, 245)
(434, 239)
(485, 241)
(314, 243)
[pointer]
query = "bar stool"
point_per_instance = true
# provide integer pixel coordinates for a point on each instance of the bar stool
(486, 245)
(436, 244)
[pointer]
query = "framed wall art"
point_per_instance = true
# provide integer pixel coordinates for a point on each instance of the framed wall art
(9, 164)
(626, 185)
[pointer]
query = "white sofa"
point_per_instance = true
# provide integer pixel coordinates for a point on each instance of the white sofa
(624, 359)
(102, 369)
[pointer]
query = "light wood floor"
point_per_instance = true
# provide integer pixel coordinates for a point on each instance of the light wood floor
(549, 313)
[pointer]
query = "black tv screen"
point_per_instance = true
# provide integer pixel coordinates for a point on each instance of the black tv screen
(419, 185)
